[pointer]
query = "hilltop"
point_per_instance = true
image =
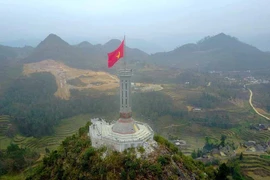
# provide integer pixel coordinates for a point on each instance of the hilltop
(76, 158)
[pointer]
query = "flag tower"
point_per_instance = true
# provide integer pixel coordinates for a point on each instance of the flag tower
(125, 123)
(125, 132)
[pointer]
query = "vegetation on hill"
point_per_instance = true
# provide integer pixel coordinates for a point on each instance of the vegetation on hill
(76, 159)
(152, 104)
(9, 71)
(14, 159)
(206, 100)
(262, 100)
(31, 103)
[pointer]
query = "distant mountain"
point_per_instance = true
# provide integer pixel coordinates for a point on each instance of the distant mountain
(10, 69)
(261, 41)
(53, 47)
(132, 54)
(147, 46)
(7, 52)
(83, 55)
(225, 42)
(13, 53)
(85, 44)
(219, 52)
(21, 42)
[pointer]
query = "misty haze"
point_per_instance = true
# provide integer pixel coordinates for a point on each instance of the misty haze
(135, 89)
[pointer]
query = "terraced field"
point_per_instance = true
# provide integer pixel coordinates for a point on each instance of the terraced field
(193, 135)
(4, 124)
(258, 136)
(256, 167)
(192, 143)
(66, 128)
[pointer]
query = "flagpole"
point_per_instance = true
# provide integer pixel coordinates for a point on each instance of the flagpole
(125, 66)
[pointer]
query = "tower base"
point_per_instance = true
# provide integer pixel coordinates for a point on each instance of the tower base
(125, 126)
(102, 134)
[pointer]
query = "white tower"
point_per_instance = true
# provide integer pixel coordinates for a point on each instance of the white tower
(126, 132)
(125, 92)
(125, 123)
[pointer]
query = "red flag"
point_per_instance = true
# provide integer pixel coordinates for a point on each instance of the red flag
(114, 56)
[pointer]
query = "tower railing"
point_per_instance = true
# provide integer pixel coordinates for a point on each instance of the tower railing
(125, 72)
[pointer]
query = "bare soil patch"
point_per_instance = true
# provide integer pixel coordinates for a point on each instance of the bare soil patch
(101, 81)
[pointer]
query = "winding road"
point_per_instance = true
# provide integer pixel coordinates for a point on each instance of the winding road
(250, 102)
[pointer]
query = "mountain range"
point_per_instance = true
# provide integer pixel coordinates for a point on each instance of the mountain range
(219, 52)
(83, 55)
(15, 52)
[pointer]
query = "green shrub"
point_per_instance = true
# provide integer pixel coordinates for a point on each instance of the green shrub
(156, 169)
(164, 160)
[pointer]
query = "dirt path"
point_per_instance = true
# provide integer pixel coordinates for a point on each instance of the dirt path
(250, 102)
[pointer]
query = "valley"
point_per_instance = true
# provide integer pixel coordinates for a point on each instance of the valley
(135, 90)
(47, 100)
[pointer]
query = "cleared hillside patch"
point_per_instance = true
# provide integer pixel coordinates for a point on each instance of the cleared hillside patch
(101, 81)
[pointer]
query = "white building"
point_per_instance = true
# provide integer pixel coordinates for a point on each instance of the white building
(125, 132)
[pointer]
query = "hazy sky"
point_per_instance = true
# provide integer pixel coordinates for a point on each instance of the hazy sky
(143, 19)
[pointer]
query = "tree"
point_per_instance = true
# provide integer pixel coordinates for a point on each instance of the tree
(199, 153)
(47, 150)
(241, 156)
(194, 154)
(223, 172)
(222, 139)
